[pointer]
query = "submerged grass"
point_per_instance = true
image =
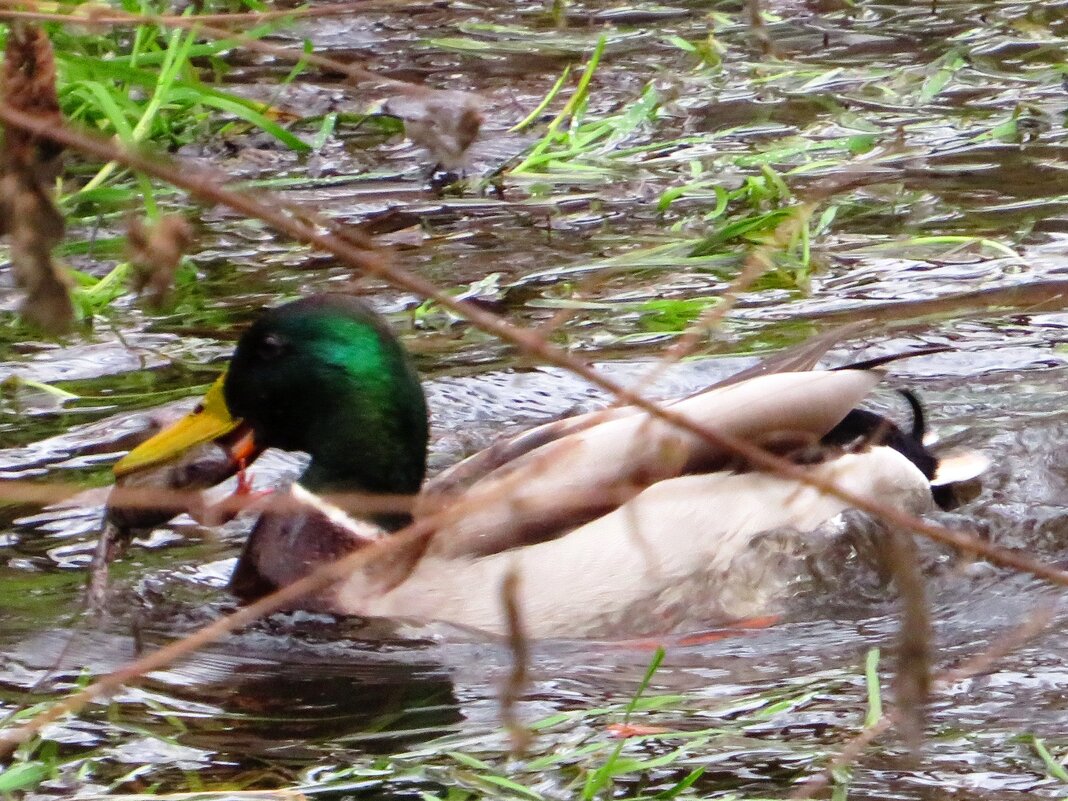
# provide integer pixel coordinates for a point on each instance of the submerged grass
(650, 746)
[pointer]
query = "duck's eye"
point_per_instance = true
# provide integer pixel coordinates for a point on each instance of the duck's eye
(270, 347)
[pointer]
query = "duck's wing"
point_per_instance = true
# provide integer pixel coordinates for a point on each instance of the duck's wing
(565, 482)
(450, 482)
(454, 480)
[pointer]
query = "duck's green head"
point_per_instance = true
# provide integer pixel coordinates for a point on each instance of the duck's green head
(323, 375)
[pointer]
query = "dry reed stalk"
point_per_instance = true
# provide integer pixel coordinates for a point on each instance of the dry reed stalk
(190, 501)
(757, 262)
(445, 122)
(209, 795)
(912, 679)
(1038, 296)
(104, 15)
(516, 681)
(12, 737)
(261, 206)
(91, 13)
(29, 166)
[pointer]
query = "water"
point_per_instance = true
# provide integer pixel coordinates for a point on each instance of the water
(947, 126)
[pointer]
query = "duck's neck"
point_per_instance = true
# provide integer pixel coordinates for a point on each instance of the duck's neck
(369, 433)
(384, 454)
(373, 475)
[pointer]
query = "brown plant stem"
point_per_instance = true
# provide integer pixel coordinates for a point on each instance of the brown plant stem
(205, 188)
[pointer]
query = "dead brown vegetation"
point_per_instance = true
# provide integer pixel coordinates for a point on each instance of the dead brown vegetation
(29, 166)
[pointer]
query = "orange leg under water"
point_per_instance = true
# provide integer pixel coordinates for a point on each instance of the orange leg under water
(736, 629)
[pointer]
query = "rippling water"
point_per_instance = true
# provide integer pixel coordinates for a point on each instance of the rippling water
(333, 706)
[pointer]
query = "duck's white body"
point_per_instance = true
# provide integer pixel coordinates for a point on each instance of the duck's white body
(651, 564)
(686, 542)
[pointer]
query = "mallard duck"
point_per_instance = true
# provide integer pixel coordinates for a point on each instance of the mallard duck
(614, 522)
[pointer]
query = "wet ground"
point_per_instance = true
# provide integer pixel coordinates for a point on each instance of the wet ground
(954, 116)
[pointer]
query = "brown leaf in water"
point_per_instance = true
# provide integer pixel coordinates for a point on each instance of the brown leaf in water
(155, 253)
(28, 168)
(624, 730)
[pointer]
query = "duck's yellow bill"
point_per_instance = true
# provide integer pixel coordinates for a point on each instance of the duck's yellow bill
(210, 420)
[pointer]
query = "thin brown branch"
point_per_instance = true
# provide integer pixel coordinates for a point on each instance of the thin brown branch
(133, 671)
(912, 679)
(204, 187)
(90, 13)
(757, 262)
(759, 258)
(109, 16)
(179, 500)
(1033, 297)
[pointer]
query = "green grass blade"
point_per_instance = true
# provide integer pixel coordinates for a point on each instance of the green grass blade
(253, 117)
(871, 680)
(552, 93)
(571, 108)
(1053, 766)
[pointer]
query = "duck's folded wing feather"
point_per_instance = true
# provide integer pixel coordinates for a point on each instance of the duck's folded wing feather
(553, 488)
(799, 358)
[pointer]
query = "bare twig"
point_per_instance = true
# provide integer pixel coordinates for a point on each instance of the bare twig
(912, 680)
(519, 645)
(757, 262)
(105, 15)
(1036, 296)
(204, 187)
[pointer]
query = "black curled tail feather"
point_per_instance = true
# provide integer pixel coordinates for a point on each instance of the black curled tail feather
(863, 429)
(919, 421)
